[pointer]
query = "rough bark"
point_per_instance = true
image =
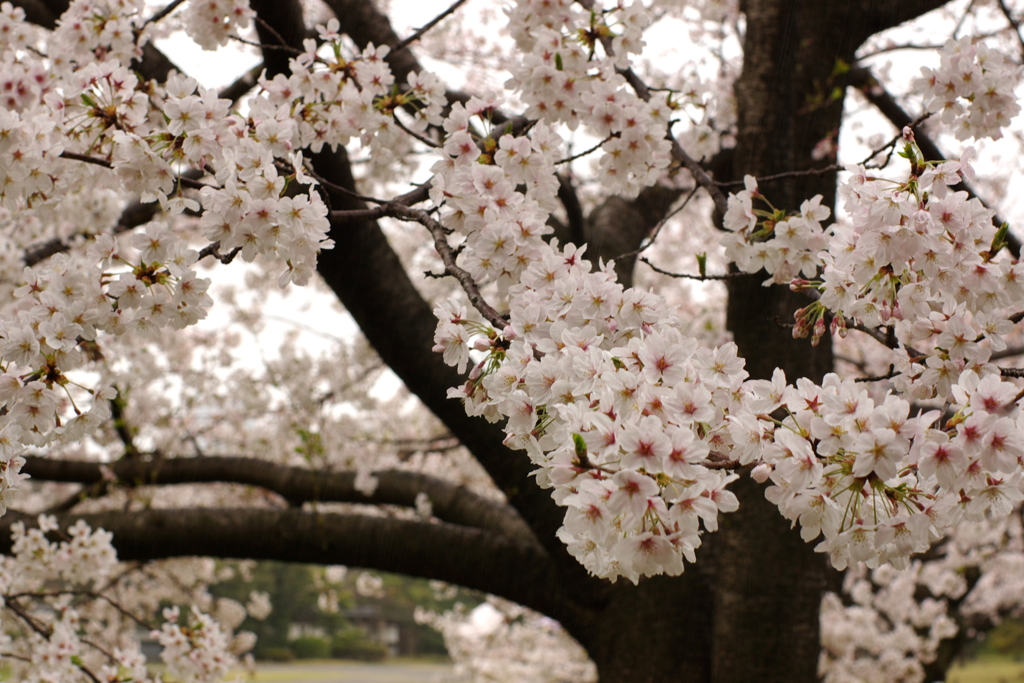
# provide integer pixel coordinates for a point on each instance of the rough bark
(449, 502)
(467, 557)
(749, 610)
(768, 582)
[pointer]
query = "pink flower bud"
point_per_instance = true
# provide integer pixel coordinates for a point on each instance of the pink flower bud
(475, 373)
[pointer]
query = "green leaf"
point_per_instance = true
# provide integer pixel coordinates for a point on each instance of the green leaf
(581, 448)
(702, 263)
(558, 61)
(999, 240)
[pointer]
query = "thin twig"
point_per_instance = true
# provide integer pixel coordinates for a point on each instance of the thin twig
(691, 164)
(1013, 22)
(831, 168)
(878, 378)
(963, 18)
(422, 138)
(660, 225)
(214, 251)
(656, 269)
(894, 48)
(885, 338)
(399, 208)
(85, 158)
(265, 46)
(426, 27)
(91, 594)
(163, 13)
(584, 153)
(45, 633)
(273, 31)
(447, 254)
(334, 186)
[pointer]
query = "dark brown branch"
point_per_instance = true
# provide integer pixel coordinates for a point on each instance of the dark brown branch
(242, 84)
(688, 276)
(874, 17)
(575, 230)
(879, 378)
(85, 158)
(170, 7)
(1014, 24)
(121, 426)
(397, 209)
(46, 633)
(468, 557)
(451, 503)
(427, 26)
(134, 215)
(367, 276)
(214, 251)
(862, 79)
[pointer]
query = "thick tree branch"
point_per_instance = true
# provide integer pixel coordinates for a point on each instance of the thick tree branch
(468, 557)
(371, 281)
(874, 16)
(451, 503)
(616, 228)
(862, 79)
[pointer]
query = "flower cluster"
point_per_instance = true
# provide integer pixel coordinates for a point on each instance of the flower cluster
(563, 81)
(768, 239)
(630, 423)
(613, 405)
(501, 642)
(890, 624)
(972, 89)
(195, 651)
(62, 594)
(211, 22)
(85, 109)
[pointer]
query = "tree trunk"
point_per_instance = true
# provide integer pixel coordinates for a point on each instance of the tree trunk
(748, 611)
(657, 632)
(768, 582)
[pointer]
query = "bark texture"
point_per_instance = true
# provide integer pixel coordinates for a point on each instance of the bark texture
(748, 611)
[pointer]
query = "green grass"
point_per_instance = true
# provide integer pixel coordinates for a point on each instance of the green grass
(987, 671)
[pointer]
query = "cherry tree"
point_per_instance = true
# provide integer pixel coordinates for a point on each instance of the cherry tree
(823, 483)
